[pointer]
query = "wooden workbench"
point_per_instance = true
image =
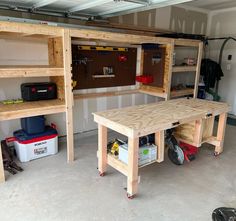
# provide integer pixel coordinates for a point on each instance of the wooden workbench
(142, 120)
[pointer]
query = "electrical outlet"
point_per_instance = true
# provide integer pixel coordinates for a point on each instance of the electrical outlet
(228, 67)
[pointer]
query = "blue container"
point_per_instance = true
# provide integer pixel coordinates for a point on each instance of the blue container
(22, 136)
(201, 91)
(33, 125)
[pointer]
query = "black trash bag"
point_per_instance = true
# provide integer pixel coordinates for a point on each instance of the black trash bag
(224, 214)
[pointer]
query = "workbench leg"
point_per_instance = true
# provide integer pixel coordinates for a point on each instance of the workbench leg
(102, 149)
(197, 138)
(2, 175)
(160, 142)
(221, 133)
(132, 179)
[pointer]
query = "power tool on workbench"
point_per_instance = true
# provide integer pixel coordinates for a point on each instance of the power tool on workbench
(175, 153)
(113, 146)
(178, 152)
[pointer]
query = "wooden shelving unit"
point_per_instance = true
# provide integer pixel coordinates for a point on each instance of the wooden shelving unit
(59, 71)
(187, 43)
(165, 90)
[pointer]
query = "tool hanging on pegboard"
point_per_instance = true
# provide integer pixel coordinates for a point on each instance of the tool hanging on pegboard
(82, 60)
(101, 48)
(122, 58)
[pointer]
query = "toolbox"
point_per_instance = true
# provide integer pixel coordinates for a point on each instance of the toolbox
(147, 154)
(30, 147)
(38, 91)
(33, 125)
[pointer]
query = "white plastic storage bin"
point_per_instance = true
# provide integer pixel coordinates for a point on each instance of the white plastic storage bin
(37, 146)
(147, 154)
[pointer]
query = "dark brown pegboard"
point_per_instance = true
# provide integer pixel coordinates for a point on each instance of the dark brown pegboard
(87, 63)
(154, 68)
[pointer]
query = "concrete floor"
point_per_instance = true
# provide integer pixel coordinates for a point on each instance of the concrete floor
(51, 189)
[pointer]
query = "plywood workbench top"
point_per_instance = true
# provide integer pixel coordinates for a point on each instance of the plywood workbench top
(141, 120)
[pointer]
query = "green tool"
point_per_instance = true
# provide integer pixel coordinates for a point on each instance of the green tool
(12, 101)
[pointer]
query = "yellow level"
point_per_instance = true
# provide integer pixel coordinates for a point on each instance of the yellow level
(101, 48)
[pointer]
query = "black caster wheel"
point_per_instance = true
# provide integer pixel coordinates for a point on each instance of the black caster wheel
(101, 174)
(130, 196)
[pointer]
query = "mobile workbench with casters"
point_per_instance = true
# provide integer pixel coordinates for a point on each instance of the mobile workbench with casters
(137, 121)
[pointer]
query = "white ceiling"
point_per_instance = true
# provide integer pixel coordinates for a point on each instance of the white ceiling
(87, 9)
(91, 8)
(212, 4)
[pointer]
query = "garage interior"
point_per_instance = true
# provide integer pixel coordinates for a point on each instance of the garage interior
(111, 60)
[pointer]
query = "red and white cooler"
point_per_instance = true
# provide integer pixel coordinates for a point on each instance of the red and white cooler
(30, 147)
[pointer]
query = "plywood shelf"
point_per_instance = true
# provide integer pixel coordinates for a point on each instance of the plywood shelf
(154, 91)
(149, 163)
(29, 30)
(185, 140)
(122, 167)
(210, 140)
(105, 94)
(28, 109)
(183, 92)
(30, 71)
(184, 68)
(186, 42)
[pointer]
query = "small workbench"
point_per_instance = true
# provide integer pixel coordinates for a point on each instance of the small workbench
(137, 121)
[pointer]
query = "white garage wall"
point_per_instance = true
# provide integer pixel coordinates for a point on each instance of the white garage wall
(172, 18)
(222, 24)
(20, 52)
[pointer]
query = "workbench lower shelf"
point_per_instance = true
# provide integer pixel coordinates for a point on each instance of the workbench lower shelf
(114, 162)
(210, 140)
(29, 109)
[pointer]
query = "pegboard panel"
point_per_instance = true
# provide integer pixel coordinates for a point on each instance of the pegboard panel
(103, 68)
(154, 64)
